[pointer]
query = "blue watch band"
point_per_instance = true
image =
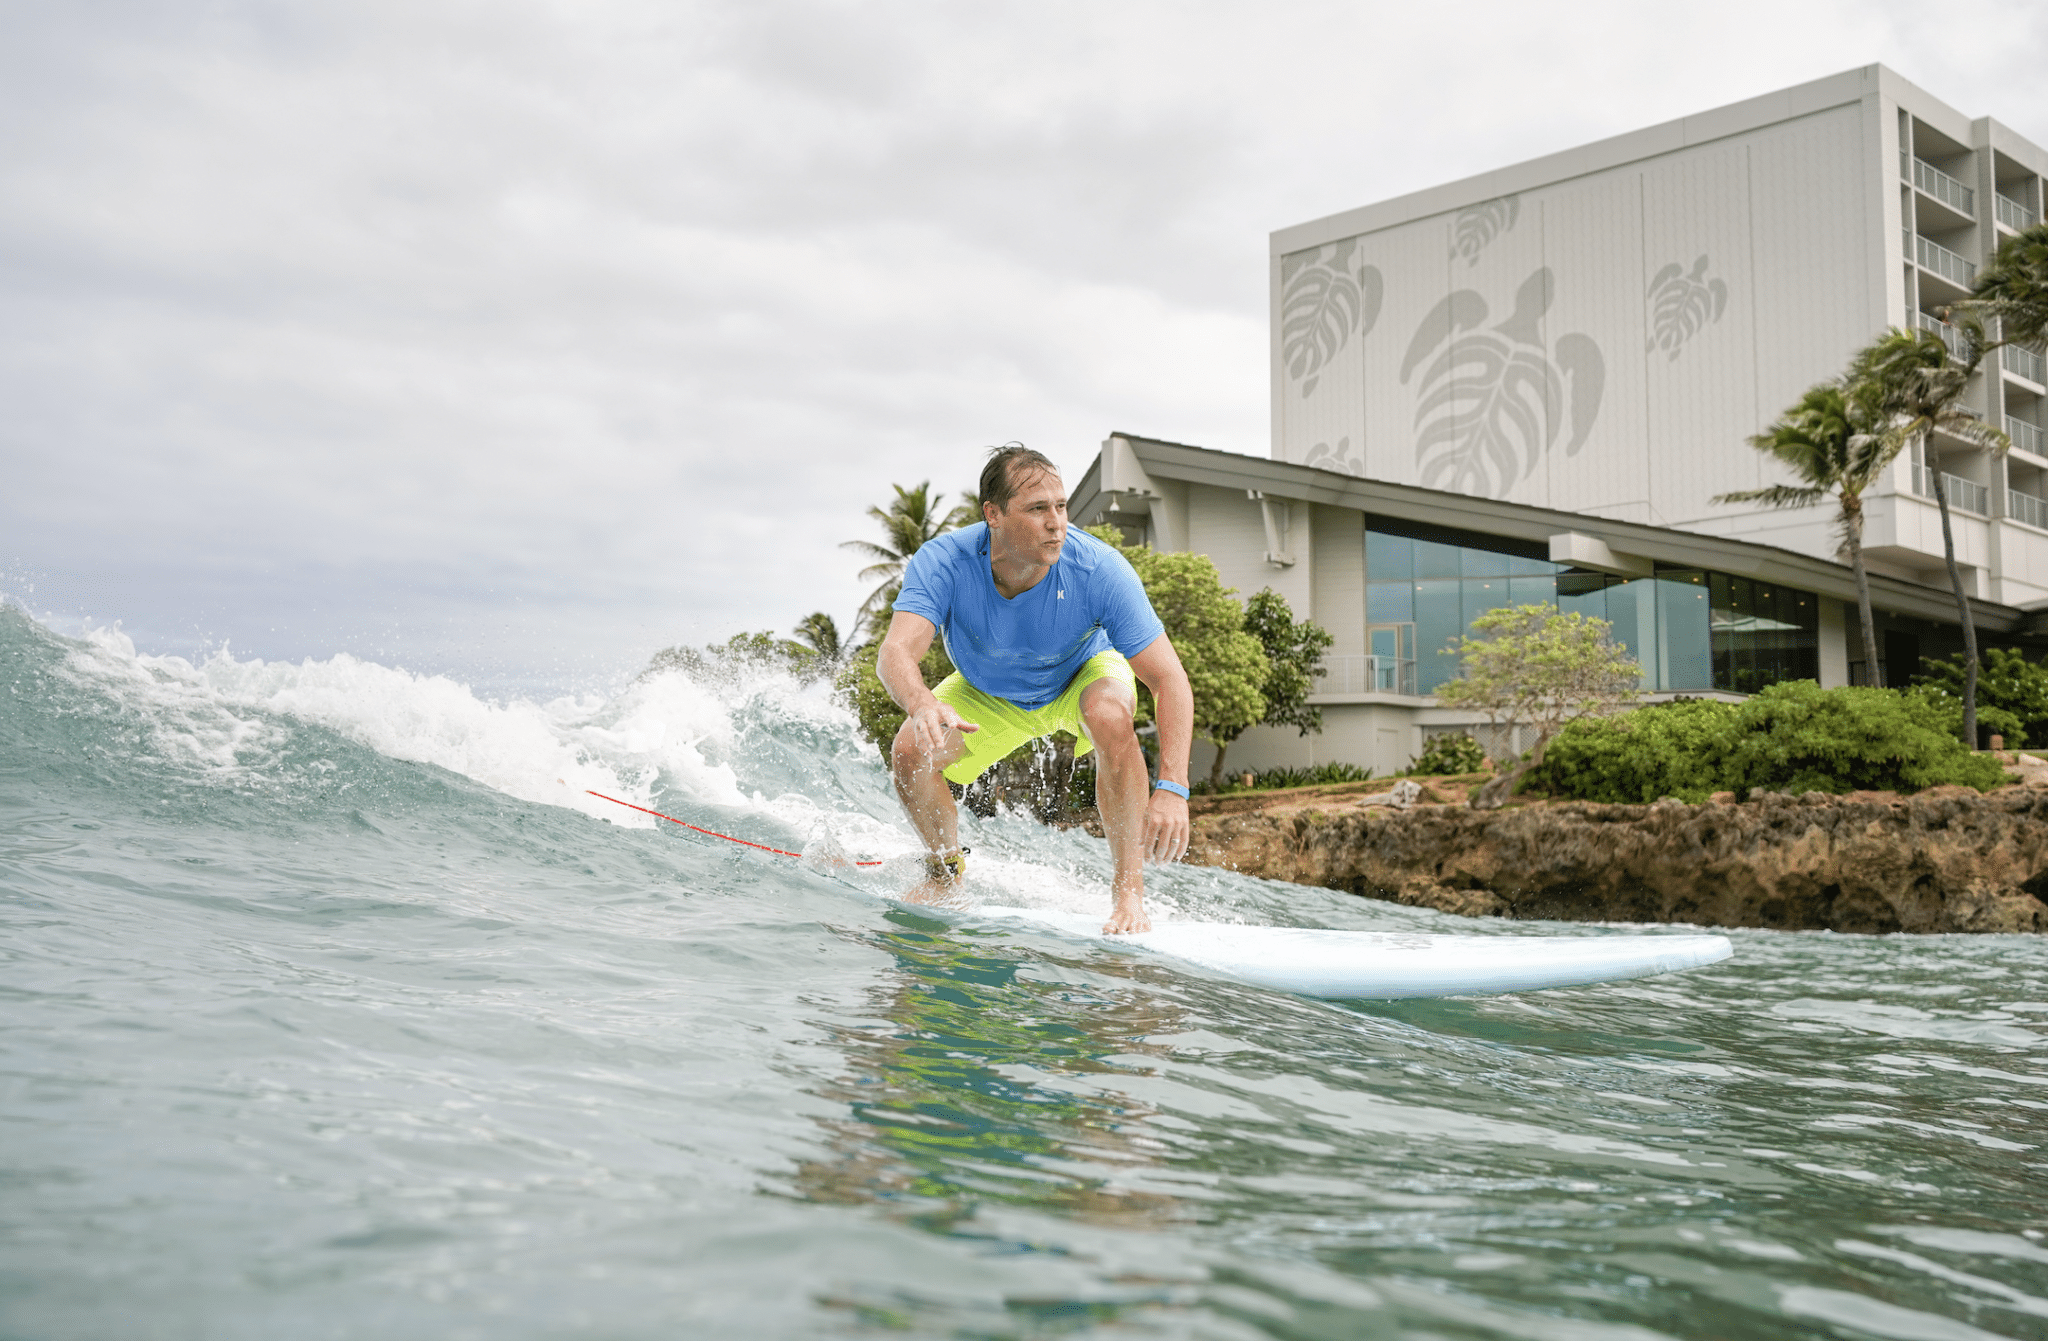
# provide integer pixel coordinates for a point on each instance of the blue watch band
(1164, 786)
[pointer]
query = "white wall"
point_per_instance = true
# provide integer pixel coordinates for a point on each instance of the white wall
(1578, 394)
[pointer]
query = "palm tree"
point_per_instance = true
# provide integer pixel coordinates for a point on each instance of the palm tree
(1916, 384)
(2014, 288)
(911, 520)
(1826, 440)
(820, 633)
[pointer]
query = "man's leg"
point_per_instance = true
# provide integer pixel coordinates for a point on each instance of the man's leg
(1121, 792)
(921, 786)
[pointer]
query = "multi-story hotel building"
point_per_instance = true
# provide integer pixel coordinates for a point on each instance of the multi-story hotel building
(1532, 384)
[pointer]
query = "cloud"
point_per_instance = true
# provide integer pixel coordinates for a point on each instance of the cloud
(620, 314)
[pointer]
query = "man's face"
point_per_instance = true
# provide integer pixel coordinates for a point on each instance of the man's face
(1035, 527)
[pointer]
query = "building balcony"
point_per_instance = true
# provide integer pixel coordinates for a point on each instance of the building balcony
(2025, 436)
(2015, 215)
(1931, 256)
(1952, 336)
(1932, 180)
(1367, 675)
(1963, 495)
(2024, 362)
(2026, 508)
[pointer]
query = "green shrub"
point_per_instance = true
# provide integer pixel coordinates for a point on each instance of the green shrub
(1794, 737)
(2012, 695)
(1449, 754)
(1665, 749)
(1799, 737)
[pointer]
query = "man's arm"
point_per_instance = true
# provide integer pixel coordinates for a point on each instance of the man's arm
(909, 638)
(1166, 815)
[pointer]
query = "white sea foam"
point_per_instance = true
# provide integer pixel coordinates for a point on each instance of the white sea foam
(666, 736)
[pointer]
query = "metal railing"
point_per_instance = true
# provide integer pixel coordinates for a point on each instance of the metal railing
(1367, 675)
(2025, 436)
(1963, 495)
(2028, 363)
(1933, 256)
(1952, 336)
(2014, 215)
(1944, 188)
(2026, 508)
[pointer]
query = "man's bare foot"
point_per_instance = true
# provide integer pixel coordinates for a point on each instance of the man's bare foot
(940, 893)
(943, 876)
(1129, 916)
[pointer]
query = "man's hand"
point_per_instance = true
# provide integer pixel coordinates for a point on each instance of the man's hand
(1166, 827)
(931, 725)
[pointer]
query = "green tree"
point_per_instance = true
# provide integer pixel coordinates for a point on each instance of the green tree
(1227, 668)
(1830, 445)
(1916, 383)
(1294, 657)
(910, 521)
(820, 632)
(1529, 665)
(2013, 288)
(2012, 693)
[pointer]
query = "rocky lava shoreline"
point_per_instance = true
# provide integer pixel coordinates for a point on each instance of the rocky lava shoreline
(1945, 860)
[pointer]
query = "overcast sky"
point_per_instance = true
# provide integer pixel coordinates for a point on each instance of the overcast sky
(516, 340)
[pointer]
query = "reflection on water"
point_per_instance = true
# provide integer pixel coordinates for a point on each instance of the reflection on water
(978, 1086)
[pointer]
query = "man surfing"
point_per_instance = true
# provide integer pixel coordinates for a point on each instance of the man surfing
(1051, 631)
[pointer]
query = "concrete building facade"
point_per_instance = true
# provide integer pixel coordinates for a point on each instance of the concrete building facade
(1475, 385)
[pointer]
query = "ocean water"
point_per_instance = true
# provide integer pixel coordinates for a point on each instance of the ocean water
(331, 1006)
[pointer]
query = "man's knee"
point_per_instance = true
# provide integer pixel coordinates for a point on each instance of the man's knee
(1108, 716)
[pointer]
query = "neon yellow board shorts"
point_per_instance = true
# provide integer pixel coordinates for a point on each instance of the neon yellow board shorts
(1005, 726)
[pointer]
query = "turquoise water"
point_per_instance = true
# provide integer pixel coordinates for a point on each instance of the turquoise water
(332, 1008)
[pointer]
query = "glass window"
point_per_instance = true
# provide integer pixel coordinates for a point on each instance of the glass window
(1437, 560)
(1390, 602)
(1684, 645)
(1388, 557)
(1439, 617)
(1532, 591)
(1483, 594)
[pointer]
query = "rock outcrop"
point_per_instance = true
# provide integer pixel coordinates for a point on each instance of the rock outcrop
(1945, 860)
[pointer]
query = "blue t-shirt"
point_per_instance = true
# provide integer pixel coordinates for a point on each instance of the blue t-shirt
(1027, 647)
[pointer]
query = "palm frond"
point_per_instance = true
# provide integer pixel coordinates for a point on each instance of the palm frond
(1778, 496)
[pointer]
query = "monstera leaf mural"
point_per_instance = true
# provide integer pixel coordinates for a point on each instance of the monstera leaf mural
(1491, 402)
(1482, 223)
(1338, 458)
(1322, 302)
(1682, 305)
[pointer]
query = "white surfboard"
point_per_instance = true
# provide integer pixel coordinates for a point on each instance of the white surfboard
(1383, 965)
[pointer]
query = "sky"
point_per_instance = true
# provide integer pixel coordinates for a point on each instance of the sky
(517, 340)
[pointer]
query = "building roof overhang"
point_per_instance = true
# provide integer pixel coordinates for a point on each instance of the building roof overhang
(1159, 460)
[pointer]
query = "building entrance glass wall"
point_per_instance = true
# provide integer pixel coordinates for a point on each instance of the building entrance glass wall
(1690, 630)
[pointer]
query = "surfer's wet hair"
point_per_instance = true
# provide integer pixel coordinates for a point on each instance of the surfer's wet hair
(999, 477)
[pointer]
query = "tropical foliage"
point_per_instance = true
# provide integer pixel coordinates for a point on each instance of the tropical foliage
(910, 521)
(1915, 384)
(1829, 443)
(1530, 665)
(1294, 658)
(2012, 694)
(1449, 754)
(1792, 737)
(1227, 668)
(2013, 288)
